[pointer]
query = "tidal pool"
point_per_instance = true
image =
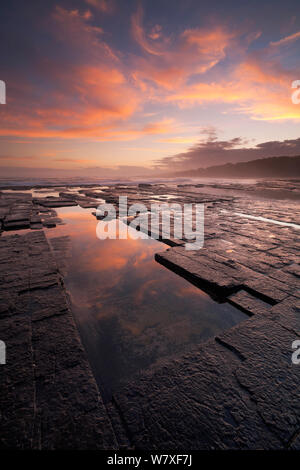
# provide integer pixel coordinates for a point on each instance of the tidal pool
(131, 311)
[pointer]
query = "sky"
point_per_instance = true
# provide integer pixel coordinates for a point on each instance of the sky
(138, 87)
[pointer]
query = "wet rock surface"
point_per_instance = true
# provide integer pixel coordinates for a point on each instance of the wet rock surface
(227, 395)
(49, 398)
(239, 390)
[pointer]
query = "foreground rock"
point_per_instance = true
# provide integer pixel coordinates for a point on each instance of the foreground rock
(239, 391)
(49, 398)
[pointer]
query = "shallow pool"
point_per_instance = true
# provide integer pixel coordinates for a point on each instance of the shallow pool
(131, 311)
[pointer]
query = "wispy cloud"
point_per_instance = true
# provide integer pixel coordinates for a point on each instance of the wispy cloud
(286, 40)
(170, 61)
(76, 81)
(19, 158)
(87, 96)
(255, 87)
(105, 6)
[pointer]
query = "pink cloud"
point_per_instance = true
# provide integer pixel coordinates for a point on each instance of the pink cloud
(94, 92)
(105, 6)
(169, 62)
(286, 40)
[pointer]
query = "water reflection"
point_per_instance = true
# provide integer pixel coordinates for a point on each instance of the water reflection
(131, 311)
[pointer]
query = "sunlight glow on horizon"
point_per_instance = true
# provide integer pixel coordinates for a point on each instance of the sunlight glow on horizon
(84, 96)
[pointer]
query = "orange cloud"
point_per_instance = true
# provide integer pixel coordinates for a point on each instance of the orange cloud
(92, 99)
(84, 161)
(178, 140)
(21, 158)
(286, 40)
(139, 34)
(105, 6)
(170, 62)
(160, 127)
(67, 22)
(92, 91)
(155, 32)
(87, 99)
(256, 88)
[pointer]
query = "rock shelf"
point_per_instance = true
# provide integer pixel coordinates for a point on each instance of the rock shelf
(49, 398)
(239, 390)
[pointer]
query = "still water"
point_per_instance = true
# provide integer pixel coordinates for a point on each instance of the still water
(130, 310)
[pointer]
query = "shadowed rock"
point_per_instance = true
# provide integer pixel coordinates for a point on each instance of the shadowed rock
(49, 398)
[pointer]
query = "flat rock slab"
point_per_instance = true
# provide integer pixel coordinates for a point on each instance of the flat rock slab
(224, 267)
(17, 220)
(240, 391)
(18, 225)
(248, 303)
(55, 202)
(49, 398)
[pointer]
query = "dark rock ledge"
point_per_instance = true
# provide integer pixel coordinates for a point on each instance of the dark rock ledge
(239, 390)
(49, 398)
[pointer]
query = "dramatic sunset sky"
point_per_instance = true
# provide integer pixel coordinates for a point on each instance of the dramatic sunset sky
(127, 87)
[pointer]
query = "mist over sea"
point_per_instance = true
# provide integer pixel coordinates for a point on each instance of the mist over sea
(5, 182)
